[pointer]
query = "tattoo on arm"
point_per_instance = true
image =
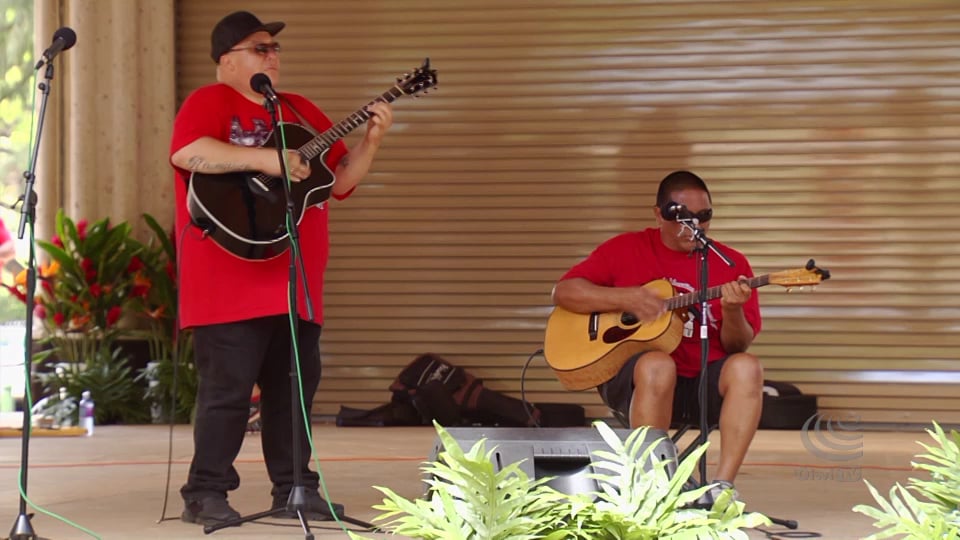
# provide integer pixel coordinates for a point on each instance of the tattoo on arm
(197, 163)
(345, 160)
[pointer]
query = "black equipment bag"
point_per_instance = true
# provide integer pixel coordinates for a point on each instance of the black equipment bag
(434, 389)
(785, 407)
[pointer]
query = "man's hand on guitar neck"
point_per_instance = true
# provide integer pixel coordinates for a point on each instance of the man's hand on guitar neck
(735, 294)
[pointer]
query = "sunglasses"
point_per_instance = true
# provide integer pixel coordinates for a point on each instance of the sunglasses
(260, 48)
(670, 212)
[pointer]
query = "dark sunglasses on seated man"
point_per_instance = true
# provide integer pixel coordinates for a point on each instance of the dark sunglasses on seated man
(672, 210)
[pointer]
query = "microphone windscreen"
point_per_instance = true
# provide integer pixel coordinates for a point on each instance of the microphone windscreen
(260, 82)
(68, 36)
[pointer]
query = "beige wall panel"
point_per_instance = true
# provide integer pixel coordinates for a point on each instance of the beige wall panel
(826, 129)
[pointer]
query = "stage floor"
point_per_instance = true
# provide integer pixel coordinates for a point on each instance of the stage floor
(113, 483)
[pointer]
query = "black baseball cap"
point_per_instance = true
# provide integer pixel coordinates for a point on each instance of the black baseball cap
(234, 28)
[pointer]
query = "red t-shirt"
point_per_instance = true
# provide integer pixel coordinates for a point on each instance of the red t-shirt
(637, 258)
(216, 286)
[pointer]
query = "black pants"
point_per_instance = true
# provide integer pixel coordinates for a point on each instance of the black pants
(617, 394)
(230, 358)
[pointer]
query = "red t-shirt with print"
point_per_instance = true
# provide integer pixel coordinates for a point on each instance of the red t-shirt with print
(636, 258)
(216, 286)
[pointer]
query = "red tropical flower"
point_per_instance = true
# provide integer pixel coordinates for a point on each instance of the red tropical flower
(113, 315)
(135, 264)
(16, 292)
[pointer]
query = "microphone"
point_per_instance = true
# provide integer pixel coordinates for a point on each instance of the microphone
(261, 84)
(63, 39)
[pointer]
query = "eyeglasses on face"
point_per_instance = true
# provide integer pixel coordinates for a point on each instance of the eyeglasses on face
(260, 48)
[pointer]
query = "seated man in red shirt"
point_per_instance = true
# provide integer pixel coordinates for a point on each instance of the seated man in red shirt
(656, 388)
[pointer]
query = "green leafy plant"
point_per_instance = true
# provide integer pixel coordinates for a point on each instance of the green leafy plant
(89, 284)
(936, 513)
(169, 346)
(468, 499)
(110, 381)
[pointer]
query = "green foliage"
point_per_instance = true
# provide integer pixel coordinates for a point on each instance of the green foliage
(89, 284)
(157, 307)
(109, 378)
(16, 86)
(468, 499)
(936, 514)
(159, 379)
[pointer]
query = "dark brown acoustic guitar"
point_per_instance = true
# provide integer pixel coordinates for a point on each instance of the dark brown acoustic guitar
(245, 212)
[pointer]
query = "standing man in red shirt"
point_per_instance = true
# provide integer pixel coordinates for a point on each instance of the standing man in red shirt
(238, 308)
(656, 387)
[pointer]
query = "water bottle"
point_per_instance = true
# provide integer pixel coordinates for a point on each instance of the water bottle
(86, 412)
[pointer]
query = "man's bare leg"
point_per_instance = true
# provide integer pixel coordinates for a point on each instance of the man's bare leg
(654, 378)
(741, 386)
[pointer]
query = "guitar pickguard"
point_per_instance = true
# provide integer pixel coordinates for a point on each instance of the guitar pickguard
(617, 334)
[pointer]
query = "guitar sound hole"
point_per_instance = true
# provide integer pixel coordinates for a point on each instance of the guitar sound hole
(629, 319)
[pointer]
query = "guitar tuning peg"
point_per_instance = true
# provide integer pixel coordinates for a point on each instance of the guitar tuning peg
(789, 290)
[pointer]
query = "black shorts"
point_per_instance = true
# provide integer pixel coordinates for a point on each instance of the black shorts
(617, 394)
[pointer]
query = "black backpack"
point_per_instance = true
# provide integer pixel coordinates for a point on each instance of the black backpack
(431, 388)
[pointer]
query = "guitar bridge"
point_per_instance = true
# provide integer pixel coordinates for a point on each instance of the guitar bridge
(593, 326)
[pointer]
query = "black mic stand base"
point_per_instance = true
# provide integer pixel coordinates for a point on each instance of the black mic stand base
(296, 503)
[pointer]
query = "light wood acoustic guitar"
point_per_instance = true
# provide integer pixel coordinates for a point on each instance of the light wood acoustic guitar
(588, 349)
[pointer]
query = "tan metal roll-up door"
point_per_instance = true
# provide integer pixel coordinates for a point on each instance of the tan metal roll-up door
(827, 129)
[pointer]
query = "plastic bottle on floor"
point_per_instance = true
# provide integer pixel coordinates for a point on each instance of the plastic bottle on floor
(86, 412)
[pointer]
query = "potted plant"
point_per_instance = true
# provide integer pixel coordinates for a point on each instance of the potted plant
(170, 375)
(86, 288)
(468, 499)
(925, 509)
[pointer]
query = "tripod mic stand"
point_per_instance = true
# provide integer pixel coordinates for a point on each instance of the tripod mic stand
(22, 528)
(703, 244)
(296, 502)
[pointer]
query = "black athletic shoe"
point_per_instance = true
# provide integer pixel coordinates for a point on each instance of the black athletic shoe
(315, 507)
(209, 510)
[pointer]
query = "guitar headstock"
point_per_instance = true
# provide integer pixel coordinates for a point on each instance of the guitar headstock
(810, 275)
(421, 79)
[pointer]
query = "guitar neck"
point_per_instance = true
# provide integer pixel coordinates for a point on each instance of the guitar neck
(689, 299)
(325, 140)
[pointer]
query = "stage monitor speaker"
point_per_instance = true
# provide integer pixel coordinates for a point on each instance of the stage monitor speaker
(566, 454)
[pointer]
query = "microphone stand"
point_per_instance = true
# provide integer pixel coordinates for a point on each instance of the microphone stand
(703, 245)
(22, 528)
(296, 502)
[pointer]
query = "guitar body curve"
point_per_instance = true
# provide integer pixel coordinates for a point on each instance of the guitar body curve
(245, 212)
(586, 350)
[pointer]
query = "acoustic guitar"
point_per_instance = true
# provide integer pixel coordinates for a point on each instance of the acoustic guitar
(587, 349)
(245, 212)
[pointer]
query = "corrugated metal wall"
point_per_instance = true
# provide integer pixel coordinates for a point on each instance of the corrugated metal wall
(826, 129)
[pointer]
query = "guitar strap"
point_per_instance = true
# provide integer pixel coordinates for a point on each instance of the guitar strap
(303, 121)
